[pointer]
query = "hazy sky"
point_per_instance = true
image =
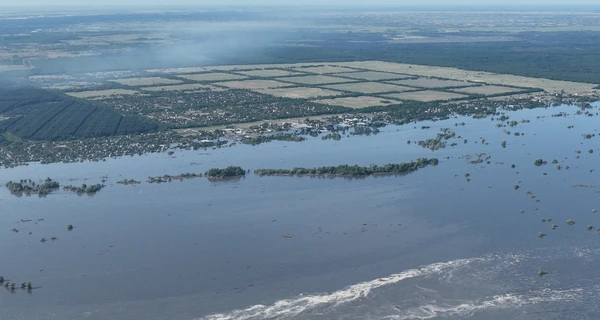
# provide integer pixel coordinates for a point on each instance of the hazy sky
(296, 2)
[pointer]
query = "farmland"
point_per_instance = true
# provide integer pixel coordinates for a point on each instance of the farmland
(268, 73)
(300, 92)
(432, 83)
(149, 81)
(315, 80)
(425, 96)
(375, 76)
(368, 87)
(253, 84)
(204, 77)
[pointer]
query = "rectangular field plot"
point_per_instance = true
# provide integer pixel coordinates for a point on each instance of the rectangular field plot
(102, 93)
(368, 87)
(215, 76)
(268, 73)
(425, 96)
(375, 76)
(487, 90)
(324, 69)
(315, 80)
(254, 84)
(432, 83)
(357, 102)
(183, 87)
(149, 81)
(299, 92)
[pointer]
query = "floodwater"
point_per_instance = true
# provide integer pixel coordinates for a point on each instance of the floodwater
(428, 245)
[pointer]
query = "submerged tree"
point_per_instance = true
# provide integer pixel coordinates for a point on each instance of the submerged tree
(541, 272)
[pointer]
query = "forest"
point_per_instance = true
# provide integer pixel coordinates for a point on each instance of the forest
(533, 54)
(38, 114)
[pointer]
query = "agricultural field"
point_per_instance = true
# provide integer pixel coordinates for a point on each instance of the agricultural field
(550, 86)
(426, 96)
(358, 102)
(268, 73)
(102, 94)
(254, 84)
(368, 87)
(215, 76)
(182, 87)
(488, 90)
(300, 92)
(314, 80)
(325, 69)
(432, 83)
(375, 76)
(148, 81)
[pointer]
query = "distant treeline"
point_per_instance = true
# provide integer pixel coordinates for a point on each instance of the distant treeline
(564, 55)
(347, 170)
(38, 114)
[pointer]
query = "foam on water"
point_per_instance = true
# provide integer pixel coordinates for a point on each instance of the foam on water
(293, 307)
(504, 301)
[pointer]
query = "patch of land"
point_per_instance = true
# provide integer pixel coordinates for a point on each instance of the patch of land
(375, 76)
(325, 69)
(487, 90)
(425, 96)
(102, 93)
(268, 73)
(182, 87)
(358, 102)
(299, 92)
(214, 76)
(148, 81)
(368, 87)
(551, 86)
(315, 80)
(254, 84)
(431, 83)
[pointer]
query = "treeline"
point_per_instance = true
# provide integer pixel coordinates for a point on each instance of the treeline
(29, 187)
(91, 189)
(37, 114)
(231, 171)
(169, 178)
(347, 170)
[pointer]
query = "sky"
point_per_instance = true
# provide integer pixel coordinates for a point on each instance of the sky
(294, 2)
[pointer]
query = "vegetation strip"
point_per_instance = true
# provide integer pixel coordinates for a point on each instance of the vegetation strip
(347, 170)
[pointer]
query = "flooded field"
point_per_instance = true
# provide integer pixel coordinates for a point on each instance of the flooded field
(457, 240)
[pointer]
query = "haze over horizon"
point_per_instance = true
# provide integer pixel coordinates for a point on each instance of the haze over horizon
(297, 3)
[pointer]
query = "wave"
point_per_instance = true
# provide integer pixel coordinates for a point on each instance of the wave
(296, 306)
(504, 301)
